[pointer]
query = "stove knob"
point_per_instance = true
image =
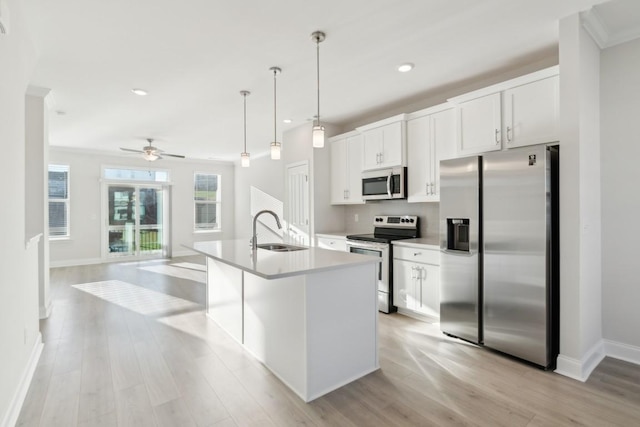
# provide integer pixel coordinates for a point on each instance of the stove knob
(412, 220)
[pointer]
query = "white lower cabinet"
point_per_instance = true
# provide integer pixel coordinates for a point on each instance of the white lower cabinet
(416, 280)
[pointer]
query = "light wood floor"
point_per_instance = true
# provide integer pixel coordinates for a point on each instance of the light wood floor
(137, 350)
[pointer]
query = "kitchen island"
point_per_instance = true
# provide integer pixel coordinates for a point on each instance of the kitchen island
(309, 315)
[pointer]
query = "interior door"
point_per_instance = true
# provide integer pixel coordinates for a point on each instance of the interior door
(298, 197)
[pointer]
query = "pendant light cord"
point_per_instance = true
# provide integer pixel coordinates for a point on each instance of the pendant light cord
(245, 121)
(275, 132)
(318, 73)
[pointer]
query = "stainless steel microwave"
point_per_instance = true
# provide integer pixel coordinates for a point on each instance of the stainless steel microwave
(384, 184)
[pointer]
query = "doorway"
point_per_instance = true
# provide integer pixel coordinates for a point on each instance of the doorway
(298, 203)
(137, 223)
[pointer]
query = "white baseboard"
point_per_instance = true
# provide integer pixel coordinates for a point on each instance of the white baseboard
(75, 262)
(581, 369)
(626, 352)
(11, 417)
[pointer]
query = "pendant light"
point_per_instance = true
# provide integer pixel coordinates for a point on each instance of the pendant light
(245, 160)
(275, 145)
(318, 130)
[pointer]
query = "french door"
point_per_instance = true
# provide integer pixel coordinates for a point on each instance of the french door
(137, 221)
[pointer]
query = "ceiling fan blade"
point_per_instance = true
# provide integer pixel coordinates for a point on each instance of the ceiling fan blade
(131, 151)
(174, 155)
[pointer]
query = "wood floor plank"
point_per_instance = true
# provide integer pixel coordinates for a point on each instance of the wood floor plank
(107, 420)
(242, 407)
(97, 395)
(157, 377)
(61, 405)
(173, 413)
(133, 408)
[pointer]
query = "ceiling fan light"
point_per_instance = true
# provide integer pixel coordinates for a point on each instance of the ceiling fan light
(318, 136)
(245, 160)
(275, 150)
(150, 157)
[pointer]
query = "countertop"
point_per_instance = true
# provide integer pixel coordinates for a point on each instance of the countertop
(274, 265)
(432, 242)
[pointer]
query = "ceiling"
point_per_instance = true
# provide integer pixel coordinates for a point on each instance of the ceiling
(195, 57)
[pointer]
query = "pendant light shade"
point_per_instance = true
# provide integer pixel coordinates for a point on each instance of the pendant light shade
(318, 130)
(275, 145)
(245, 159)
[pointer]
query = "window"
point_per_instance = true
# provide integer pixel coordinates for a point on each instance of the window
(124, 174)
(206, 197)
(58, 201)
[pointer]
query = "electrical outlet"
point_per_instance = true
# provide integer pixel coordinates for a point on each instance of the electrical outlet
(355, 217)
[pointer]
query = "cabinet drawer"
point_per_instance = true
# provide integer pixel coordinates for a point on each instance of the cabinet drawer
(425, 256)
(333, 244)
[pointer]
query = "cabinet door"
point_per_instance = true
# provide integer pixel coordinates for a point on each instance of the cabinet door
(532, 113)
(443, 144)
(392, 145)
(338, 171)
(418, 159)
(372, 149)
(404, 274)
(428, 292)
(479, 125)
(354, 169)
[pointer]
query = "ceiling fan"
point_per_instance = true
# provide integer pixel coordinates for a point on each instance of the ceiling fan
(151, 153)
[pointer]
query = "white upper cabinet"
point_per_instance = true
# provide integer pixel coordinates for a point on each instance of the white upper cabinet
(531, 113)
(522, 111)
(430, 138)
(384, 144)
(346, 169)
(479, 125)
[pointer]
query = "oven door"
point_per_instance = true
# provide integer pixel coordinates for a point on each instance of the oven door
(380, 250)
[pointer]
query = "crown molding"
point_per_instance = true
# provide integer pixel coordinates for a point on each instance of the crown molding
(602, 34)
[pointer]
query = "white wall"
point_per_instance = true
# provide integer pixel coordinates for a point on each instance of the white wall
(36, 183)
(19, 329)
(620, 104)
(86, 205)
(580, 261)
(264, 174)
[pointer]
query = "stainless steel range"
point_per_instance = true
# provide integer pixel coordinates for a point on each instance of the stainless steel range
(386, 230)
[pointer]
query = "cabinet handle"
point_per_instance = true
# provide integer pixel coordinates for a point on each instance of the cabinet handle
(421, 269)
(497, 136)
(426, 188)
(348, 193)
(509, 131)
(413, 273)
(417, 253)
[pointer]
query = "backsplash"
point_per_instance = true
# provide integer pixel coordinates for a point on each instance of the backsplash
(427, 212)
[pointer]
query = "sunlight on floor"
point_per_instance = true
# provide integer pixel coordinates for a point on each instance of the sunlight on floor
(136, 298)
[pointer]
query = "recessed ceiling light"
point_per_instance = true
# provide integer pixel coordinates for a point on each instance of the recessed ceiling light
(286, 121)
(405, 67)
(140, 92)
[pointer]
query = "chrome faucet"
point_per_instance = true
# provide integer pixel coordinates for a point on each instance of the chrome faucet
(254, 239)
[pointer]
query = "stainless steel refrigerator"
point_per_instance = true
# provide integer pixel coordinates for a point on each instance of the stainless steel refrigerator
(499, 243)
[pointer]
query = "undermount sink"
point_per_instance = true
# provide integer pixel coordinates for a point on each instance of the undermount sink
(280, 247)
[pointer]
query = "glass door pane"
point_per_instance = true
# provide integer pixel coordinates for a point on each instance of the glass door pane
(122, 220)
(150, 220)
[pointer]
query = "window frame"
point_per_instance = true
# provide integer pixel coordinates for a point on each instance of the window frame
(66, 201)
(217, 203)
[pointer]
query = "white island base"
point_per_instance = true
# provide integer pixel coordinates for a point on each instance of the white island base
(316, 331)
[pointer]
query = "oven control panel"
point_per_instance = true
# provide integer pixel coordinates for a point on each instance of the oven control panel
(396, 221)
